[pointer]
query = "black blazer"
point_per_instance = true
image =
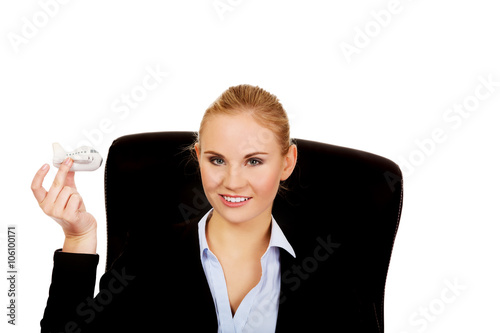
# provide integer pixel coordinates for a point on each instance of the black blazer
(158, 284)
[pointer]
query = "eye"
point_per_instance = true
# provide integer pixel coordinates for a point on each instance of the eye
(254, 161)
(217, 160)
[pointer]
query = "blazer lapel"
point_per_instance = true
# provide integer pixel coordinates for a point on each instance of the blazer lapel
(285, 314)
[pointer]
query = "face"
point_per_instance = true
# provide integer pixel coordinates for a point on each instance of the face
(241, 167)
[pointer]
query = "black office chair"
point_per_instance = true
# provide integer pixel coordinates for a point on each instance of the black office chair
(354, 195)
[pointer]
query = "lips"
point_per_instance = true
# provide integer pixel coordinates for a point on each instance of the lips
(234, 201)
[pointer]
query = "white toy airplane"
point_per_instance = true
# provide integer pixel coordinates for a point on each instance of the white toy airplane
(84, 158)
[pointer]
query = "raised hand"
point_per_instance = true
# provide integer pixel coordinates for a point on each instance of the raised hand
(64, 204)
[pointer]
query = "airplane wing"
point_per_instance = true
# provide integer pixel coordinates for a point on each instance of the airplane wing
(76, 159)
(82, 159)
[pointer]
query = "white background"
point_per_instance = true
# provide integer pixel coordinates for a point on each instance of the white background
(62, 79)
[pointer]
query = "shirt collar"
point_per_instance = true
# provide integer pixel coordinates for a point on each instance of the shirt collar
(278, 238)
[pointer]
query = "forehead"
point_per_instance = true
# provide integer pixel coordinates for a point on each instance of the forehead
(237, 133)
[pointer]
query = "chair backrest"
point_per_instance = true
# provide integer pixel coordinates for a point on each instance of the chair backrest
(150, 179)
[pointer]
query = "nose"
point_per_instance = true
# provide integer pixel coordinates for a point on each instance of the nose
(234, 179)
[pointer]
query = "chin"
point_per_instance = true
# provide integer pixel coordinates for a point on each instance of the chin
(239, 214)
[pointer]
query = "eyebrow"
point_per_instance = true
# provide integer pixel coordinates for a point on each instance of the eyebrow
(246, 156)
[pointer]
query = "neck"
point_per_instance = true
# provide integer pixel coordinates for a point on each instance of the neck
(243, 239)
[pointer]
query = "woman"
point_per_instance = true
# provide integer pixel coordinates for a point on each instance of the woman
(244, 153)
(237, 269)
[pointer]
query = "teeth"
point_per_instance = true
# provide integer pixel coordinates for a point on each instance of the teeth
(238, 199)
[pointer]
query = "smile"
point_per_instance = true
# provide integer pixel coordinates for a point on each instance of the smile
(234, 201)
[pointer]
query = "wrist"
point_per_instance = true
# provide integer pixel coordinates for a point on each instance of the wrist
(86, 243)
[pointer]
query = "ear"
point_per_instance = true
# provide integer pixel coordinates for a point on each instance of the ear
(290, 159)
(197, 149)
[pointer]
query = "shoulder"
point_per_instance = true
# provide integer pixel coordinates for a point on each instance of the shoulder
(162, 242)
(173, 236)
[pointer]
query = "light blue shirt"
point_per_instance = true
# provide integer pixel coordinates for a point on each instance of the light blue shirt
(258, 311)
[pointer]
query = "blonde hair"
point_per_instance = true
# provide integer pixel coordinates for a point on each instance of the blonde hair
(264, 107)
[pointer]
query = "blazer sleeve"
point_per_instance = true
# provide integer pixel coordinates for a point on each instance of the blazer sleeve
(73, 283)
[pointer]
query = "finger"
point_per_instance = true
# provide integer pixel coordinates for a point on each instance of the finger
(36, 185)
(70, 180)
(59, 180)
(71, 213)
(62, 201)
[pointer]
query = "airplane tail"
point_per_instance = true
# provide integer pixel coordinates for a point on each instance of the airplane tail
(59, 153)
